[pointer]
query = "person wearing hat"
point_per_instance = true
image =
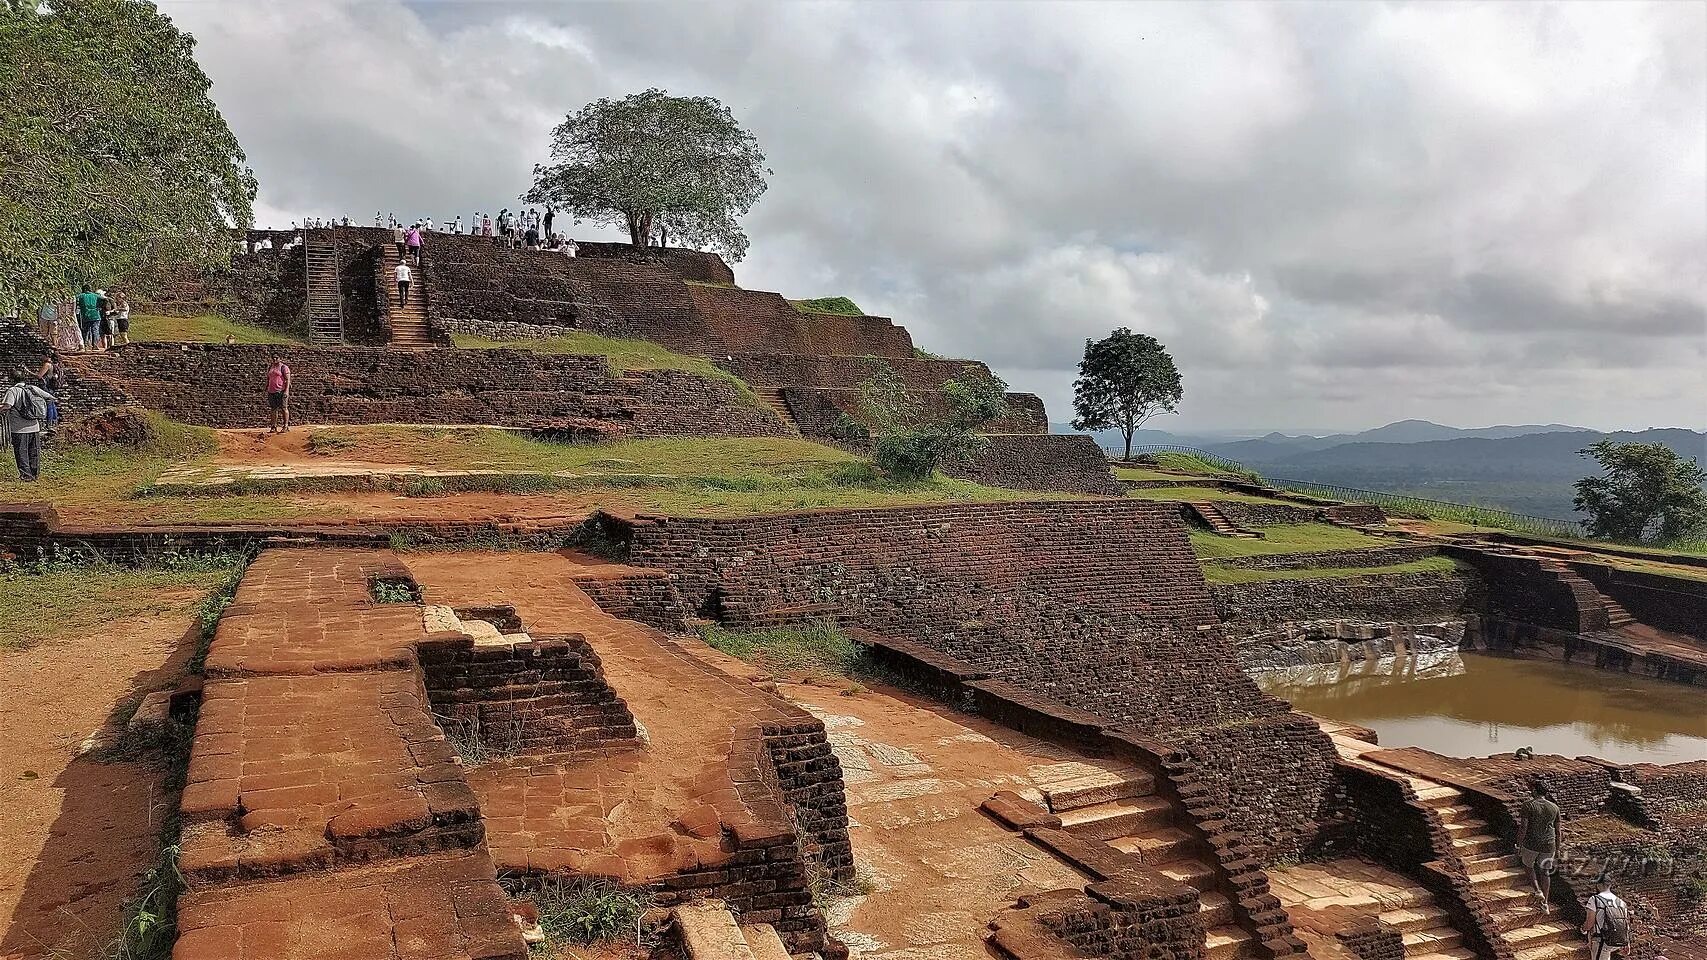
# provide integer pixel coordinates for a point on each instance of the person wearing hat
(1606, 921)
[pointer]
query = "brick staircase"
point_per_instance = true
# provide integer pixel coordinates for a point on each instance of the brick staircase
(407, 323)
(1589, 600)
(1498, 879)
(1218, 522)
(1122, 808)
(1616, 615)
(772, 397)
(709, 931)
(325, 301)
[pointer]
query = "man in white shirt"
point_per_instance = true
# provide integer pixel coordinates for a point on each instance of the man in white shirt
(22, 410)
(571, 247)
(1607, 922)
(403, 277)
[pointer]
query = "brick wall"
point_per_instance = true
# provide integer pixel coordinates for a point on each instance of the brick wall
(548, 696)
(1518, 588)
(1090, 604)
(842, 371)
(1042, 461)
(1367, 938)
(1265, 514)
(1142, 916)
(220, 386)
(85, 391)
(1368, 557)
(824, 411)
(1670, 603)
(1383, 597)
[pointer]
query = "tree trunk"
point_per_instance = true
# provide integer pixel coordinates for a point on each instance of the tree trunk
(1128, 433)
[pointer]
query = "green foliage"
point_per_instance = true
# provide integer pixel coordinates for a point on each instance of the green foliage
(1216, 573)
(1286, 538)
(909, 445)
(205, 328)
(1190, 463)
(117, 162)
(1124, 380)
(392, 591)
(583, 910)
(837, 305)
(650, 161)
(1647, 493)
(806, 648)
(621, 353)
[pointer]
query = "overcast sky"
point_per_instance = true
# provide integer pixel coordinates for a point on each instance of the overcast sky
(1334, 215)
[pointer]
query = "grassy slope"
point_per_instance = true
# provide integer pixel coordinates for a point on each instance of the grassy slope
(1199, 493)
(207, 328)
(1139, 473)
(63, 600)
(838, 305)
(1216, 573)
(1286, 538)
(623, 355)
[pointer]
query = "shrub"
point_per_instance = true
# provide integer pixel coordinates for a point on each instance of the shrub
(804, 649)
(585, 910)
(908, 445)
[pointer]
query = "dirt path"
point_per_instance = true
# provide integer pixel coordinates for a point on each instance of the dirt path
(78, 833)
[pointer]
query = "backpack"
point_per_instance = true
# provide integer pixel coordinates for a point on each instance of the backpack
(1613, 923)
(31, 406)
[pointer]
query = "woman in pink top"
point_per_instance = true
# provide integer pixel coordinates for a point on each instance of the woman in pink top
(278, 394)
(414, 241)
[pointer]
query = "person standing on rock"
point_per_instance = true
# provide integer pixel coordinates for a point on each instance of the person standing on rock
(278, 395)
(89, 317)
(550, 215)
(403, 277)
(1539, 839)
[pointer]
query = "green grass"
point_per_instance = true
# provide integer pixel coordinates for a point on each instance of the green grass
(806, 649)
(585, 910)
(207, 328)
(1189, 463)
(1139, 473)
(1216, 573)
(1285, 538)
(1199, 493)
(623, 355)
(64, 599)
(837, 305)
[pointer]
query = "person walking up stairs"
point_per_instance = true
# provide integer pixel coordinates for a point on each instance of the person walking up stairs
(406, 308)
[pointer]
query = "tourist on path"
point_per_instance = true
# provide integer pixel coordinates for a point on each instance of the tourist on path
(550, 215)
(414, 241)
(278, 395)
(23, 409)
(53, 380)
(1539, 839)
(121, 318)
(89, 317)
(403, 277)
(1607, 922)
(106, 320)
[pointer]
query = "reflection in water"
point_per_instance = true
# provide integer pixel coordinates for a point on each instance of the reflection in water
(1475, 704)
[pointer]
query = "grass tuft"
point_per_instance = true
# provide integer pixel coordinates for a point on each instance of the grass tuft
(841, 306)
(585, 910)
(807, 650)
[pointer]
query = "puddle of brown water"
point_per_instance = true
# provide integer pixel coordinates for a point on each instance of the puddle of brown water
(1476, 704)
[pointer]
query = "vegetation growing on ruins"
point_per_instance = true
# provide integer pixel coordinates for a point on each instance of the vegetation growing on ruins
(837, 305)
(651, 162)
(907, 444)
(1283, 538)
(205, 328)
(117, 162)
(622, 354)
(1199, 493)
(794, 650)
(1124, 379)
(63, 598)
(1217, 573)
(583, 910)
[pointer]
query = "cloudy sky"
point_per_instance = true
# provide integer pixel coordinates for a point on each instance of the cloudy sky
(1334, 215)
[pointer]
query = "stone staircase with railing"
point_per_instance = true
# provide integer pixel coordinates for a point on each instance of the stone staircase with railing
(325, 299)
(1121, 808)
(405, 323)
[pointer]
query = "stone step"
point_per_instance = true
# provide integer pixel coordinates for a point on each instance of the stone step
(1554, 951)
(1491, 861)
(709, 932)
(1500, 876)
(1227, 942)
(763, 942)
(1214, 909)
(1439, 795)
(1192, 873)
(1160, 846)
(1544, 932)
(1431, 940)
(1476, 844)
(1415, 917)
(1099, 787)
(1118, 818)
(1452, 953)
(1457, 813)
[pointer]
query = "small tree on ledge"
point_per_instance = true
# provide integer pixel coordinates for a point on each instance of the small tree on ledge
(909, 445)
(1124, 380)
(651, 161)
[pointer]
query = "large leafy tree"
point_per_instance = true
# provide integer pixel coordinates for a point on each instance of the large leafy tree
(651, 161)
(1124, 379)
(1647, 492)
(117, 163)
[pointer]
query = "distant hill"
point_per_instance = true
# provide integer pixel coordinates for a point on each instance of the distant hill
(1531, 473)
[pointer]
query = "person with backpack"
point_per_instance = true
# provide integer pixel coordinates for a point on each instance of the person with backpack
(1607, 922)
(23, 409)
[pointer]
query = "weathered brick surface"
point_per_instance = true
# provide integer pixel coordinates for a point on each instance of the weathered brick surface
(1072, 463)
(829, 412)
(1245, 514)
(222, 386)
(1142, 915)
(1370, 939)
(1677, 604)
(1382, 597)
(1367, 557)
(1521, 589)
(86, 391)
(1090, 605)
(843, 371)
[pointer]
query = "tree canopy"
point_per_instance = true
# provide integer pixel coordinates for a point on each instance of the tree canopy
(1647, 492)
(117, 162)
(1124, 379)
(909, 442)
(651, 161)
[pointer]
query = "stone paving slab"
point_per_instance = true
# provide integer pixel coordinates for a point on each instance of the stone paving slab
(295, 771)
(441, 907)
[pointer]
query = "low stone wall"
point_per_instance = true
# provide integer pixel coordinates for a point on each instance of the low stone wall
(1382, 597)
(1327, 559)
(1677, 604)
(1520, 589)
(540, 698)
(1071, 463)
(1141, 917)
(840, 371)
(827, 412)
(1367, 938)
(1344, 641)
(1245, 514)
(222, 386)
